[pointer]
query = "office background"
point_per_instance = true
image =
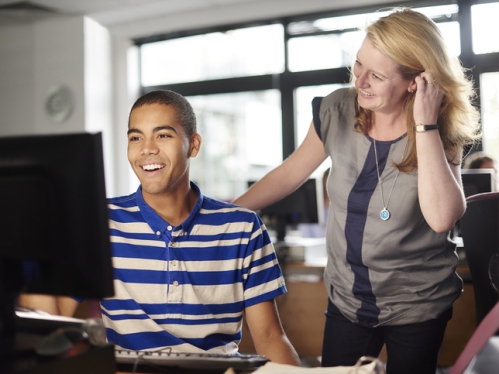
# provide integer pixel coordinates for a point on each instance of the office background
(250, 68)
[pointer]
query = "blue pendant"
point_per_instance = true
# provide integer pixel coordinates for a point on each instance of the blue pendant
(384, 214)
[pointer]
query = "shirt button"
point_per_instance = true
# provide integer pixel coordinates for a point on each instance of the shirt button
(173, 244)
(158, 233)
(174, 262)
(169, 228)
(175, 283)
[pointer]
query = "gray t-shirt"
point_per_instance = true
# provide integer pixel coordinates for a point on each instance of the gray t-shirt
(391, 272)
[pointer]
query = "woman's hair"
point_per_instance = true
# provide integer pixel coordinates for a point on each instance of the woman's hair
(185, 113)
(414, 42)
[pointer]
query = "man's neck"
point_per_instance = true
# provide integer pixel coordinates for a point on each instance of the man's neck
(174, 207)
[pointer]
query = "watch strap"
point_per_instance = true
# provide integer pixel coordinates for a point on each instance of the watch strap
(420, 127)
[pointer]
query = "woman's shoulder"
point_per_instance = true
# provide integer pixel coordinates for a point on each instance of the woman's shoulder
(339, 101)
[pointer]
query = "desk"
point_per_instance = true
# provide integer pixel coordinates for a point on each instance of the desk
(302, 314)
(301, 310)
(94, 360)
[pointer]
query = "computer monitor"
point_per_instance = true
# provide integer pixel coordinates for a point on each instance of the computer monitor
(304, 205)
(54, 232)
(478, 181)
(475, 181)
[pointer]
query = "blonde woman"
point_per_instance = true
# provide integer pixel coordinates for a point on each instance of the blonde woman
(396, 142)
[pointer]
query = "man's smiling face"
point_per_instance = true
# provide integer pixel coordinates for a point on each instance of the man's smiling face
(159, 149)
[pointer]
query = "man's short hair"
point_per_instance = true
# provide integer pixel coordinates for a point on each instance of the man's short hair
(476, 159)
(185, 113)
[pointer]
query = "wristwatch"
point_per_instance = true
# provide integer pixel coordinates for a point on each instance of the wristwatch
(420, 127)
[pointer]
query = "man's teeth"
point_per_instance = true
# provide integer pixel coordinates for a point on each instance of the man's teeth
(151, 167)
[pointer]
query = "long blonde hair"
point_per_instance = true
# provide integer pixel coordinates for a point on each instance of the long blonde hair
(415, 43)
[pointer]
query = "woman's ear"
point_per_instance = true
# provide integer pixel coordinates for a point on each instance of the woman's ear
(412, 87)
(195, 144)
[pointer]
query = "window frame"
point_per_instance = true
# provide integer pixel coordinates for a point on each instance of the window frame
(288, 81)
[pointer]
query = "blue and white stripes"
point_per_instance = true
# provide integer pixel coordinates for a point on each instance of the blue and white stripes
(186, 287)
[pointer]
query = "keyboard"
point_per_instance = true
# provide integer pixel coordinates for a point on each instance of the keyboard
(126, 359)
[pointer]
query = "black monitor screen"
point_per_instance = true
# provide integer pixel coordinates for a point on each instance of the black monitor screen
(477, 181)
(304, 205)
(54, 233)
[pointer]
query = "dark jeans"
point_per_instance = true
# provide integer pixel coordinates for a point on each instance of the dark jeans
(412, 348)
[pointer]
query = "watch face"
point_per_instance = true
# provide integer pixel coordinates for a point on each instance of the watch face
(420, 128)
(59, 103)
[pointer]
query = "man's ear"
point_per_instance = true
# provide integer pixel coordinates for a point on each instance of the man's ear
(195, 144)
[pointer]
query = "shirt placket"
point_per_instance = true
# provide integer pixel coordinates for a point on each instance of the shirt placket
(175, 275)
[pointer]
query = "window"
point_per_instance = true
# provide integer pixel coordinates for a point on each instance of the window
(489, 94)
(241, 139)
(252, 86)
(214, 55)
(303, 104)
(333, 42)
(484, 28)
(450, 32)
(323, 51)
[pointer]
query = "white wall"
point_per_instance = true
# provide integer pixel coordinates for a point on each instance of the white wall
(75, 52)
(126, 90)
(98, 80)
(16, 80)
(58, 59)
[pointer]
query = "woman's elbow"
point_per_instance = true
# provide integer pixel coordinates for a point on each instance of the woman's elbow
(444, 223)
(440, 228)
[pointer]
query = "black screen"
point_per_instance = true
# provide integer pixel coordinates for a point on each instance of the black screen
(54, 233)
(477, 181)
(304, 205)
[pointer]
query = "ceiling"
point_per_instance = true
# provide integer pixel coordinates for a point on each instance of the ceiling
(142, 18)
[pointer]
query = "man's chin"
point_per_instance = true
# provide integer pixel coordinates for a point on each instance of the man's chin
(153, 190)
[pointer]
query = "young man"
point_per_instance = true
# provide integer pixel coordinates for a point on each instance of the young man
(187, 267)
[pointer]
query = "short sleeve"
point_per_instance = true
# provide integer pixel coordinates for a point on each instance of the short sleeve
(262, 273)
(316, 107)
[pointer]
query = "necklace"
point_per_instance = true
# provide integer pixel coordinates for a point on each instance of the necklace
(384, 214)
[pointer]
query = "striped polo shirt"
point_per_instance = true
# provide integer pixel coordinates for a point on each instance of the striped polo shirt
(185, 287)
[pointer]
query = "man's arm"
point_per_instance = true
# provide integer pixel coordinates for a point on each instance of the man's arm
(267, 334)
(57, 305)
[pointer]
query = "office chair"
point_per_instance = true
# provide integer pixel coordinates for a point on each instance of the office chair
(480, 233)
(477, 344)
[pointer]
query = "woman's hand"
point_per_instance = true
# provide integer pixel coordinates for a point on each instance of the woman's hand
(428, 100)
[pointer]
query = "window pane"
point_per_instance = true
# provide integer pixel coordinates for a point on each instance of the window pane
(360, 21)
(236, 53)
(323, 51)
(303, 105)
(483, 27)
(242, 140)
(356, 21)
(339, 48)
(489, 97)
(452, 37)
(303, 113)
